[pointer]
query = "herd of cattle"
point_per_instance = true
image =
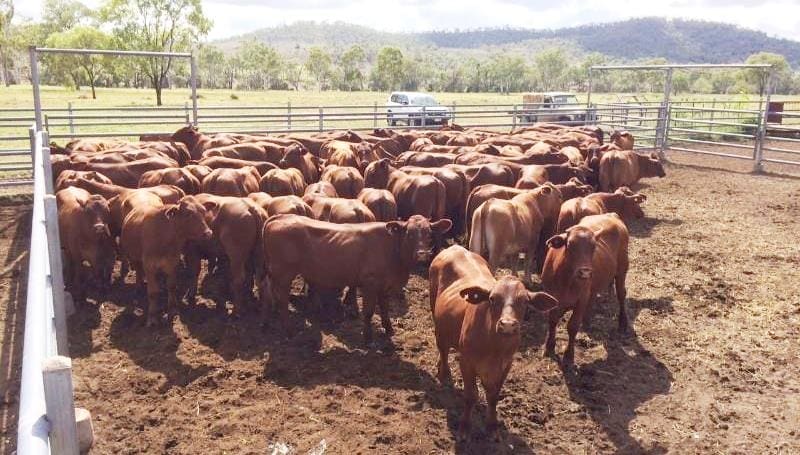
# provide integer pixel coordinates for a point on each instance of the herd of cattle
(354, 211)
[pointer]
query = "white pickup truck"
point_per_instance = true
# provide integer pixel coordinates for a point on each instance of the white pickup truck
(414, 108)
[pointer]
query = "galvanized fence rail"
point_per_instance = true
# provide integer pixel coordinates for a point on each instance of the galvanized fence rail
(46, 408)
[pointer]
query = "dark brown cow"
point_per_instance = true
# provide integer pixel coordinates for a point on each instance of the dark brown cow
(353, 155)
(580, 263)
(347, 181)
(537, 174)
(480, 317)
(249, 151)
(415, 194)
(321, 188)
(623, 202)
(380, 202)
(281, 204)
(297, 157)
(68, 178)
(198, 142)
(484, 174)
(504, 228)
(232, 182)
(198, 170)
(572, 189)
(626, 167)
(283, 182)
(126, 174)
(456, 190)
(425, 159)
(179, 177)
(85, 236)
(376, 257)
(153, 239)
(236, 224)
(529, 157)
(216, 162)
(338, 210)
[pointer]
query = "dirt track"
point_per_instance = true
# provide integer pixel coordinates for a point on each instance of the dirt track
(713, 366)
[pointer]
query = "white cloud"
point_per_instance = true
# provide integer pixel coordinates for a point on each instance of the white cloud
(233, 17)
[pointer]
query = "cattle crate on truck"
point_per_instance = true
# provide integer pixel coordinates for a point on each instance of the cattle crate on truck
(551, 107)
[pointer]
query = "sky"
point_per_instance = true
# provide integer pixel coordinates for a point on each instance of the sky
(779, 18)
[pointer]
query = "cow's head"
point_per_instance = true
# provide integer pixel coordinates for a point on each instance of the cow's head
(656, 166)
(376, 174)
(187, 134)
(508, 301)
(419, 143)
(549, 199)
(574, 188)
(293, 157)
(631, 203)
(579, 243)
(188, 217)
(622, 139)
(415, 236)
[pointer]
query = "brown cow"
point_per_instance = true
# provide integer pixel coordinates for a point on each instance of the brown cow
(179, 177)
(232, 182)
(380, 202)
(483, 174)
(249, 151)
(456, 191)
(347, 180)
(198, 142)
(581, 263)
(338, 210)
(68, 178)
(283, 182)
(281, 204)
(536, 175)
(419, 143)
(626, 167)
(83, 225)
(415, 194)
(480, 317)
(623, 202)
(321, 188)
(353, 155)
(216, 162)
(622, 139)
(297, 157)
(425, 159)
(376, 257)
(198, 170)
(236, 224)
(572, 189)
(501, 228)
(126, 174)
(153, 239)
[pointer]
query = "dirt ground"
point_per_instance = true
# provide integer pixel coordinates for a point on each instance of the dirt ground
(712, 367)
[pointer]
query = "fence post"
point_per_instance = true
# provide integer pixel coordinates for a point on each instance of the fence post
(289, 115)
(375, 115)
(193, 83)
(663, 116)
(60, 310)
(46, 123)
(321, 125)
(424, 117)
(57, 379)
(453, 116)
(761, 130)
(45, 163)
(70, 121)
(37, 101)
(514, 118)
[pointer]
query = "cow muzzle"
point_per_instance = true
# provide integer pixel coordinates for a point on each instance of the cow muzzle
(508, 326)
(207, 234)
(100, 229)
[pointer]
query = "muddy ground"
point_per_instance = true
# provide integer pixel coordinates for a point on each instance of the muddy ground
(712, 366)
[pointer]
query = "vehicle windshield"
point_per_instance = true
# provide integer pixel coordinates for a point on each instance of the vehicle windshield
(424, 101)
(565, 99)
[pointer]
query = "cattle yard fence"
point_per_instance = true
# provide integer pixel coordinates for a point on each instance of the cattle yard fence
(46, 422)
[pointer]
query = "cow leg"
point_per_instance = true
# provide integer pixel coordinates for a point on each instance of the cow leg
(192, 260)
(470, 398)
(280, 295)
(383, 307)
(492, 397)
(78, 287)
(619, 283)
(265, 297)
(172, 292)
(370, 297)
(138, 269)
(152, 296)
(573, 326)
(350, 303)
(238, 277)
(443, 369)
(554, 317)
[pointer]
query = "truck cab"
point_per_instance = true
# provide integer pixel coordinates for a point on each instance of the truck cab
(552, 107)
(415, 108)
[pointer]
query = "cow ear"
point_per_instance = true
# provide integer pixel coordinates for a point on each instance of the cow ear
(546, 189)
(654, 156)
(171, 212)
(474, 294)
(557, 241)
(542, 301)
(211, 205)
(441, 226)
(395, 227)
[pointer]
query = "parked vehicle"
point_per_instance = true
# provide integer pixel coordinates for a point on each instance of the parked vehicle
(560, 107)
(414, 108)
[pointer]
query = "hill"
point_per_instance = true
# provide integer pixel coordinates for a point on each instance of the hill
(681, 41)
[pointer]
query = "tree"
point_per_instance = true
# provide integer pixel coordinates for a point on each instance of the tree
(351, 63)
(549, 67)
(80, 37)
(157, 25)
(62, 15)
(781, 72)
(262, 64)
(6, 14)
(293, 74)
(318, 65)
(387, 74)
(211, 66)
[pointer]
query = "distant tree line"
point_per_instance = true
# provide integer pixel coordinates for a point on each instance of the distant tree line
(253, 65)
